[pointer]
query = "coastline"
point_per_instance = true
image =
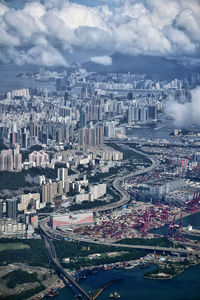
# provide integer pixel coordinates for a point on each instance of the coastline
(177, 217)
(58, 285)
(169, 276)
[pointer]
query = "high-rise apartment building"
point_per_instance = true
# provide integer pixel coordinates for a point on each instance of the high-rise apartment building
(1, 209)
(6, 160)
(26, 199)
(66, 186)
(82, 119)
(17, 163)
(45, 193)
(49, 191)
(39, 158)
(98, 190)
(60, 187)
(152, 112)
(11, 160)
(137, 114)
(58, 84)
(62, 174)
(24, 140)
(21, 93)
(11, 208)
(99, 135)
(91, 136)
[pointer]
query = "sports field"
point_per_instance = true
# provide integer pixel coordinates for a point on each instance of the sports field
(13, 246)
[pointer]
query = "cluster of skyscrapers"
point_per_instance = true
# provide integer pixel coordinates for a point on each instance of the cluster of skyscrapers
(91, 136)
(11, 160)
(142, 114)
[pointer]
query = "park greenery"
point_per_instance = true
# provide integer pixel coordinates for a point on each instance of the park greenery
(87, 262)
(13, 246)
(19, 277)
(35, 255)
(78, 253)
(15, 180)
(168, 268)
(25, 294)
(160, 242)
(113, 194)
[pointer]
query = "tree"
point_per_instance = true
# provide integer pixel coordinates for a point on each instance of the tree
(30, 206)
(130, 96)
(35, 148)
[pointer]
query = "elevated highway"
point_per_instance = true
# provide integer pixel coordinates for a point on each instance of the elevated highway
(56, 234)
(117, 183)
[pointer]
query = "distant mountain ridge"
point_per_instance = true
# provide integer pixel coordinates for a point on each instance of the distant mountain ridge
(157, 68)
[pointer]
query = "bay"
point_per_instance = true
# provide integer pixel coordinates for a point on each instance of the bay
(186, 286)
(193, 220)
(9, 81)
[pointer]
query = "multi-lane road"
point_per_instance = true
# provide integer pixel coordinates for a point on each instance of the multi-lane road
(56, 234)
(118, 181)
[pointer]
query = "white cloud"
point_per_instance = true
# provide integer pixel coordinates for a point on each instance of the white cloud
(188, 112)
(151, 27)
(102, 60)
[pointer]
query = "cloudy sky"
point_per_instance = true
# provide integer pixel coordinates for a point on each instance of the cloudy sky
(54, 32)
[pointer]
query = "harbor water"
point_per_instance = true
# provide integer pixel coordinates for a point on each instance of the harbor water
(193, 220)
(186, 286)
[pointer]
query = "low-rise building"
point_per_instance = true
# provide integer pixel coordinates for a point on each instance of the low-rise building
(25, 200)
(71, 219)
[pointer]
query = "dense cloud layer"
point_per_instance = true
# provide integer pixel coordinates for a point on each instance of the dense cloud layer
(45, 34)
(186, 113)
(102, 60)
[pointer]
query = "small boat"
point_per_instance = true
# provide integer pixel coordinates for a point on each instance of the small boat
(52, 294)
(129, 267)
(78, 296)
(114, 295)
(144, 265)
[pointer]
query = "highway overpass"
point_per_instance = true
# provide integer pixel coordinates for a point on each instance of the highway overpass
(125, 197)
(56, 234)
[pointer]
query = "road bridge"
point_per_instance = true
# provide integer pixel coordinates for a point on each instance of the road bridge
(53, 258)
